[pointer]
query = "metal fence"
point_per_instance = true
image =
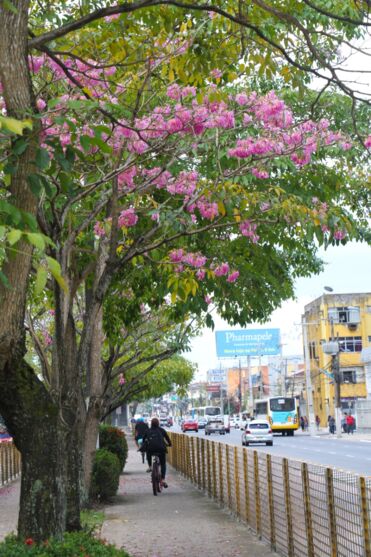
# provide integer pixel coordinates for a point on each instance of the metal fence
(300, 509)
(10, 463)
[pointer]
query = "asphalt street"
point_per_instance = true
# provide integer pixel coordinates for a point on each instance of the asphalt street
(344, 453)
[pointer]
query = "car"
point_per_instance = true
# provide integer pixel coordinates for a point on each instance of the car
(257, 431)
(215, 426)
(164, 422)
(234, 422)
(202, 422)
(189, 424)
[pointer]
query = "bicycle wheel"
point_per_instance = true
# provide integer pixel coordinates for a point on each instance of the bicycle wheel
(158, 476)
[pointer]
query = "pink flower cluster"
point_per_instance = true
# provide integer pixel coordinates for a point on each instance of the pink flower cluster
(127, 218)
(248, 229)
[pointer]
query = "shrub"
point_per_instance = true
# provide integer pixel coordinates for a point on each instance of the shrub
(114, 440)
(76, 544)
(106, 475)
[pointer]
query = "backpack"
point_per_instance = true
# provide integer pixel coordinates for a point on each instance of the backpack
(155, 440)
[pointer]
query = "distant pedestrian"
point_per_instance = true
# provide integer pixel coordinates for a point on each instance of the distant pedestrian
(344, 425)
(306, 423)
(331, 424)
(318, 421)
(302, 423)
(350, 424)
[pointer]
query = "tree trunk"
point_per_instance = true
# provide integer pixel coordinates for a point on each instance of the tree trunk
(33, 419)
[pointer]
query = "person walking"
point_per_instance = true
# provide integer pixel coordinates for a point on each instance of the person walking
(350, 424)
(306, 423)
(302, 423)
(318, 421)
(331, 424)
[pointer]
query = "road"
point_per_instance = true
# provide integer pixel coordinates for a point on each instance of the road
(346, 454)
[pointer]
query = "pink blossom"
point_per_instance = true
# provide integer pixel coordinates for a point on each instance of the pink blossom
(99, 229)
(242, 99)
(222, 270)
(207, 210)
(368, 142)
(122, 380)
(155, 217)
(110, 18)
(176, 255)
(47, 338)
(52, 312)
(262, 174)
(248, 229)
(174, 92)
(339, 234)
(325, 228)
(216, 73)
(200, 274)
(265, 206)
(208, 300)
(194, 259)
(127, 178)
(127, 218)
(233, 276)
(41, 104)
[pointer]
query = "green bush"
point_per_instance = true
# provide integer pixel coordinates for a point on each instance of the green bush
(106, 475)
(74, 544)
(114, 440)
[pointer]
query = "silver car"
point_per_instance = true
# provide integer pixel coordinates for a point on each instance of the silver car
(257, 431)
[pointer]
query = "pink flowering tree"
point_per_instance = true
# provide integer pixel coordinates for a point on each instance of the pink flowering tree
(135, 165)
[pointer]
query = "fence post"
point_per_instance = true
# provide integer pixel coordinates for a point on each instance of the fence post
(286, 479)
(270, 502)
(257, 494)
(198, 463)
(213, 468)
(307, 509)
(365, 517)
(331, 510)
(208, 461)
(6, 463)
(237, 481)
(193, 460)
(203, 464)
(220, 458)
(229, 488)
(246, 485)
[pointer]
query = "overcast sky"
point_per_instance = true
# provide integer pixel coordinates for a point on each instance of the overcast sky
(347, 270)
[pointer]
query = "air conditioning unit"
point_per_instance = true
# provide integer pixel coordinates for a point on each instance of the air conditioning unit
(352, 326)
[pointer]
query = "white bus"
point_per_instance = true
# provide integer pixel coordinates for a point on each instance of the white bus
(206, 411)
(280, 411)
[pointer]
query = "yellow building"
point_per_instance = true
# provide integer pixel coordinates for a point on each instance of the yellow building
(346, 319)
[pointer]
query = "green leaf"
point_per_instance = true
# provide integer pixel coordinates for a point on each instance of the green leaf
(13, 236)
(8, 5)
(2, 232)
(4, 279)
(20, 146)
(41, 277)
(14, 126)
(35, 184)
(36, 240)
(42, 159)
(56, 271)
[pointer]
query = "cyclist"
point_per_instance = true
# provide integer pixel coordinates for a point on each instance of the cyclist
(141, 428)
(156, 441)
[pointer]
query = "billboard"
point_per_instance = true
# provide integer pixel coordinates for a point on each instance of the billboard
(247, 342)
(216, 376)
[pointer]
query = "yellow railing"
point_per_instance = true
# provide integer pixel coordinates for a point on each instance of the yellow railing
(10, 463)
(300, 509)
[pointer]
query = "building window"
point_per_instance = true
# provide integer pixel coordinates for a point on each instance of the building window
(350, 344)
(345, 314)
(312, 350)
(348, 376)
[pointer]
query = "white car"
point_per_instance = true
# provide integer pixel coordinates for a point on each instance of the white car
(257, 431)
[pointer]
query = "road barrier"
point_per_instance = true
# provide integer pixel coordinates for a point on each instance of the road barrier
(10, 463)
(301, 509)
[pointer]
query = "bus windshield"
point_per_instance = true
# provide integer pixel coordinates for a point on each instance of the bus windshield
(282, 404)
(212, 410)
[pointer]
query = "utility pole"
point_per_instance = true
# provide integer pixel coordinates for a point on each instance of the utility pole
(240, 384)
(251, 393)
(308, 379)
(335, 365)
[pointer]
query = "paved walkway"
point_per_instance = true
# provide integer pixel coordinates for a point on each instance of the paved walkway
(180, 522)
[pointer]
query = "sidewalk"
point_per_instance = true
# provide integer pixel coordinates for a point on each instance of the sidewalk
(356, 436)
(180, 522)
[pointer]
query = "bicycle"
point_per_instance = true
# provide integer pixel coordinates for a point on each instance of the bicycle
(156, 475)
